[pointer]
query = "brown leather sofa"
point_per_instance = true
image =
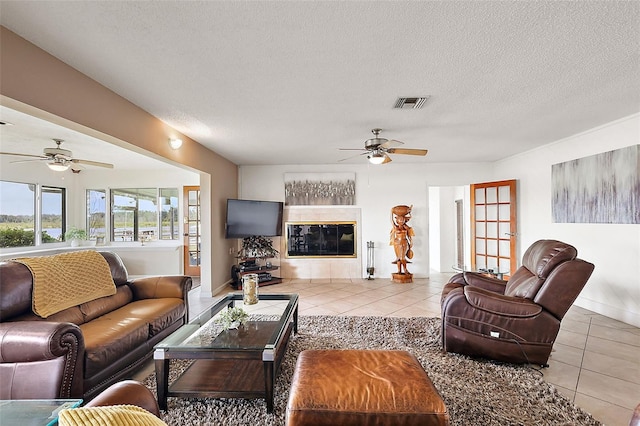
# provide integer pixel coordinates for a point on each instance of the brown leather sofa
(78, 352)
(516, 320)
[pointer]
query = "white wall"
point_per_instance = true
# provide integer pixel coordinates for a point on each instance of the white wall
(378, 189)
(614, 287)
(436, 229)
(442, 227)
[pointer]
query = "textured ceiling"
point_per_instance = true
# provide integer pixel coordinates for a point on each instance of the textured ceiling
(291, 82)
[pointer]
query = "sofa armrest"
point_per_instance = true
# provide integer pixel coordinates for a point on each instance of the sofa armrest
(41, 360)
(127, 392)
(177, 286)
(499, 304)
(31, 341)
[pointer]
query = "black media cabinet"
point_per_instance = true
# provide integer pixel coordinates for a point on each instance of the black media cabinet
(237, 273)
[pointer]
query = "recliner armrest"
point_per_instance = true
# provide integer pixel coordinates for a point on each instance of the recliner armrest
(500, 304)
(31, 341)
(483, 281)
(161, 286)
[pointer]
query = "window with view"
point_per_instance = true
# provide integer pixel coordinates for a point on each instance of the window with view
(134, 215)
(96, 214)
(53, 214)
(144, 214)
(169, 225)
(20, 226)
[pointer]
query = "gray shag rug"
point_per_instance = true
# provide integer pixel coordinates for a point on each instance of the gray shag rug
(475, 392)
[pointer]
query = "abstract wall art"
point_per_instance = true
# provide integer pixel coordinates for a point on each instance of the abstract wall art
(602, 188)
(319, 189)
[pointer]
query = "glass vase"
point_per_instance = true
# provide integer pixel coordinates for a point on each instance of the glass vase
(250, 289)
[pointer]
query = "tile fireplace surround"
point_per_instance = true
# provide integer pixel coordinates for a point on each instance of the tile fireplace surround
(318, 268)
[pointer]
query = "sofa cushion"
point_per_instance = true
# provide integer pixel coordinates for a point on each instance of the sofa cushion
(103, 305)
(111, 337)
(72, 315)
(158, 313)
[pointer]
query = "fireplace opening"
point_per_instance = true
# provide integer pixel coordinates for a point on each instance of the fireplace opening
(321, 239)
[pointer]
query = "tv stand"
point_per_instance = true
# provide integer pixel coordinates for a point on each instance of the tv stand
(237, 274)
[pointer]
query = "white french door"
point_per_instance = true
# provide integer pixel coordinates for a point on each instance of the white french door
(191, 221)
(494, 226)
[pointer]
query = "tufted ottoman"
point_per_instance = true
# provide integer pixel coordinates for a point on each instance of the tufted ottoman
(362, 387)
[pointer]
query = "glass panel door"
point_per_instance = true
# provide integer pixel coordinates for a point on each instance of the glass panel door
(493, 225)
(191, 195)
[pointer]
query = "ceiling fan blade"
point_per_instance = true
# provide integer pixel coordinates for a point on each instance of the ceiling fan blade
(354, 156)
(387, 159)
(28, 161)
(407, 151)
(24, 155)
(390, 143)
(92, 163)
(351, 149)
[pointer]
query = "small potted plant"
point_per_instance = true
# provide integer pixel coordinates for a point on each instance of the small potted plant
(75, 236)
(232, 318)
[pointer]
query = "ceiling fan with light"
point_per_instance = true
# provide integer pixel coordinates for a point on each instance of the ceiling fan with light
(377, 149)
(58, 159)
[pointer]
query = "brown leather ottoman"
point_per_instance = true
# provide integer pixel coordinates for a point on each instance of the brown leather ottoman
(362, 387)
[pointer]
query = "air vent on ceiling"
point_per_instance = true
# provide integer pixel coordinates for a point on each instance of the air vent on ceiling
(411, 103)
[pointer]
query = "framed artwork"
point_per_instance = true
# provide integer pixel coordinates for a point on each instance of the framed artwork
(319, 189)
(602, 188)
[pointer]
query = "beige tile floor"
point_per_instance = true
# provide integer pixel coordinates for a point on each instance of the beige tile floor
(595, 362)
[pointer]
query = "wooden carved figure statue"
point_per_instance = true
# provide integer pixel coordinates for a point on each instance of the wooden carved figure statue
(402, 239)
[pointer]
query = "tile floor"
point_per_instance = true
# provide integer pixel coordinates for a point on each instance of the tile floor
(595, 362)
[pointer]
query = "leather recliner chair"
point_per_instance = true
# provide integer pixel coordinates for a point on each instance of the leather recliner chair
(517, 320)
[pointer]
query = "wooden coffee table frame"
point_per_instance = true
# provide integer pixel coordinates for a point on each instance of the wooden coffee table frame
(246, 368)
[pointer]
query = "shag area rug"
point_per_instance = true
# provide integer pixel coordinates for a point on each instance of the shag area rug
(475, 392)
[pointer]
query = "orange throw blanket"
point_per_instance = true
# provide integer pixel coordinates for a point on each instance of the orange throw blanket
(69, 279)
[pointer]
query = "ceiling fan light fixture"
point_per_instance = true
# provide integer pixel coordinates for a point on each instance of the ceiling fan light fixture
(377, 157)
(175, 143)
(57, 166)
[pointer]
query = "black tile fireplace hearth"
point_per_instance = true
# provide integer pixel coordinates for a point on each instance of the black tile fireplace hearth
(321, 239)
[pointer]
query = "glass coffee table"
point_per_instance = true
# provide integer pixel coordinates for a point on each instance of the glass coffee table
(34, 412)
(234, 363)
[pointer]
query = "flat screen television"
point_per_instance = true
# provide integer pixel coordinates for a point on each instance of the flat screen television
(248, 218)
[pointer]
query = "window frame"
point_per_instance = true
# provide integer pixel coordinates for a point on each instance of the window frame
(154, 234)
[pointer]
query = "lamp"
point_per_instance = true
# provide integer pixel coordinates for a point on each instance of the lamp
(175, 143)
(377, 157)
(58, 165)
